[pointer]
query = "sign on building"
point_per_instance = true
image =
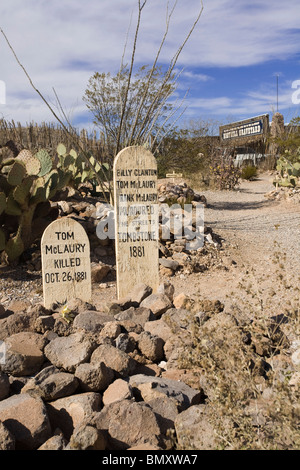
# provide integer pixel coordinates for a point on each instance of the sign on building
(136, 217)
(251, 129)
(66, 268)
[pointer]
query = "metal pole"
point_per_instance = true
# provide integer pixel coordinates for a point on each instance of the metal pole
(277, 93)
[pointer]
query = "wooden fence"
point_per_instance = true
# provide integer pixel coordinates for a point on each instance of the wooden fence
(36, 136)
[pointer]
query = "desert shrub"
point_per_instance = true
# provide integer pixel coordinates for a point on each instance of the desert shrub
(224, 174)
(249, 172)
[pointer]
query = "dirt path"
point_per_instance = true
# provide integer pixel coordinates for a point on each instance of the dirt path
(254, 229)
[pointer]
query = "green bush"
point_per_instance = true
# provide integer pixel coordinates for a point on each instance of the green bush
(249, 172)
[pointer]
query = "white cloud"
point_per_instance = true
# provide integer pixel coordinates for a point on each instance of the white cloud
(62, 42)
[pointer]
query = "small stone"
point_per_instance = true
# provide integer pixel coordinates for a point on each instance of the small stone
(166, 272)
(44, 323)
(125, 343)
(128, 424)
(87, 437)
(181, 301)
(139, 315)
(54, 443)
(139, 293)
(157, 387)
(169, 263)
(99, 271)
(91, 321)
(167, 289)
(111, 329)
(194, 430)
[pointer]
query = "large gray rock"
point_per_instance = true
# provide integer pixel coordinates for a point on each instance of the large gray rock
(151, 346)
(94, 377)
(23, 354)
(91, 321)
(157, 303)
(27, 419)
(114, 358)
(166, 411)
(68, 352)
(194, 430)
(51, 384)
(117, 391)
(157, 387)
(159, 328)
(138, 315)
(139, 293)
(128, 424)
(69, 412)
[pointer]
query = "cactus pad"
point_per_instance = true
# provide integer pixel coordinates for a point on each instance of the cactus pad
(45, 160)
(32, 164)
(61, 150)
(2, 202)
(12, 207)
(21, 192)
(16, 173)
(14, 247)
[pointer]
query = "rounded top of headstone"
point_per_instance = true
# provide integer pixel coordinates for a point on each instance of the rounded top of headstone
(136, 154)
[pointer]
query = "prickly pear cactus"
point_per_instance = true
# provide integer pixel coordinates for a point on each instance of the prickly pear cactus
(26, 181)
(288, 174)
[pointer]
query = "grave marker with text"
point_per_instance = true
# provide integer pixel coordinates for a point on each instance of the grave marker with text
(136, 215)
(66, 267)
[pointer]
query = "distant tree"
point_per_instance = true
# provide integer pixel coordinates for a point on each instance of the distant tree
(105, 93)
(189, 150)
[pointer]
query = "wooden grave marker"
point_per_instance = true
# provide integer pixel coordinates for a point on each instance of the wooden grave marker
(136, 216)
(66, 266)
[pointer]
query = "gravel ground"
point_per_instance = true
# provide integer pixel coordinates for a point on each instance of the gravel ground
(258, 221)
(254, 229)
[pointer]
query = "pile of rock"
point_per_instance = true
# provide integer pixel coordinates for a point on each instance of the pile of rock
(179, 194)
(291, 195)
(113, 379)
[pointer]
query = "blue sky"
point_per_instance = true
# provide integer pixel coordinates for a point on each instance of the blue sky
(229, 65)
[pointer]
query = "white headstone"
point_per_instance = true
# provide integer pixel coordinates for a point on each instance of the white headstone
(66, 266)
(136, 215)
